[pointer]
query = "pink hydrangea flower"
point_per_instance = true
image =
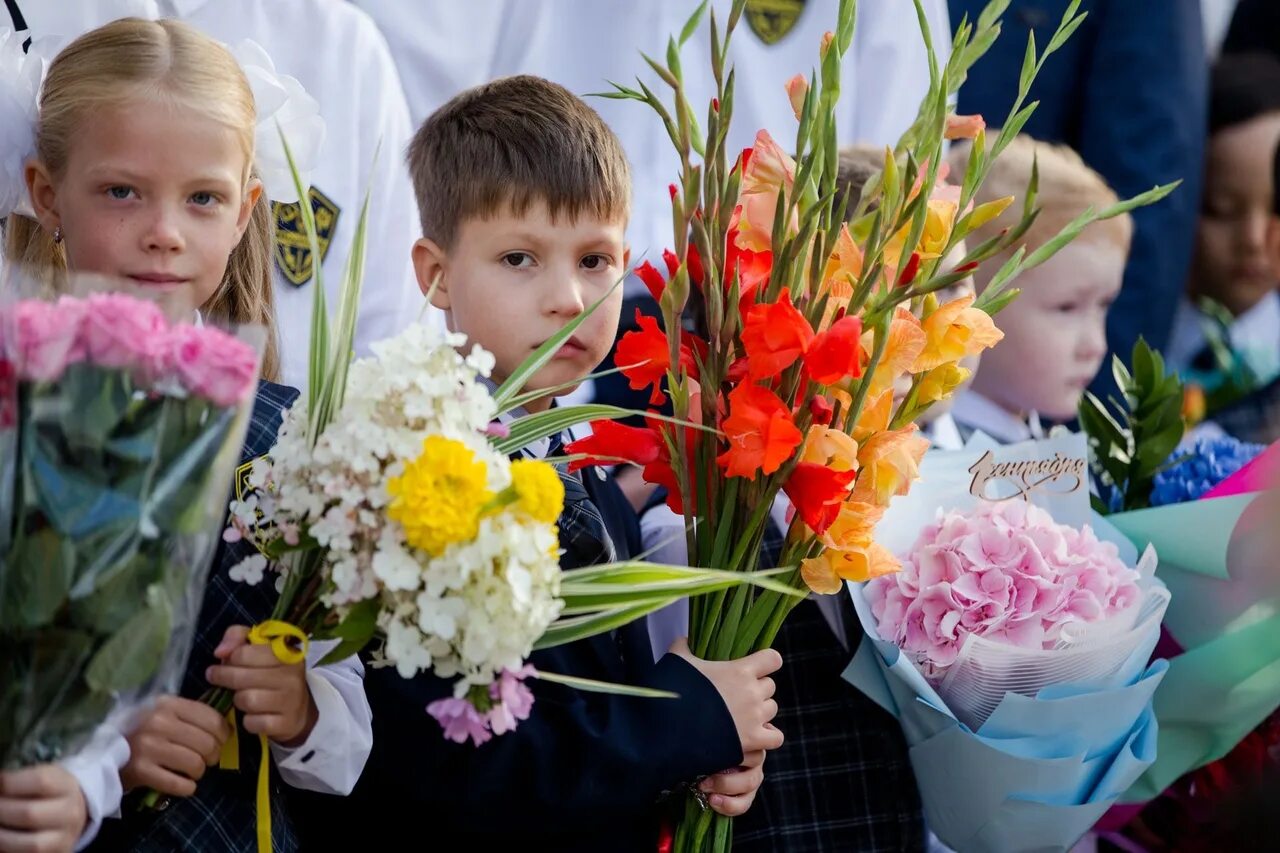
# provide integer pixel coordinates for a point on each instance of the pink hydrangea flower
(211, 363)
(461, 720)
(1004, 571)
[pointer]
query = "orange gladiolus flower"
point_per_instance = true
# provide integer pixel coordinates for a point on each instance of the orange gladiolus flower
(760, 432)
(890, 462)
(876, 413)
(826, 573)
(854, 525)
(840, 276)
(774, 336)
(611, 442)
(836, 354)
(954, 331)
(963, 127)
(905, 343)
(765, 173)
(645, 357)
(817, 493)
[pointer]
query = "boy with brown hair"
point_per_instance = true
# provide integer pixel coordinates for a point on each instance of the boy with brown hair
(524, 195)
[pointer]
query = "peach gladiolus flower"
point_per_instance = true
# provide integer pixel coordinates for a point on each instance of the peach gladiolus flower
(956, 330)
(768, 171)
(890, 463)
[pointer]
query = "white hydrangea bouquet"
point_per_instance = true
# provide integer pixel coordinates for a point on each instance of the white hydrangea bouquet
(389, 509)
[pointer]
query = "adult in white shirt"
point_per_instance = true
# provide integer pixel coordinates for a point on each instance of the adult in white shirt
(441, 48)
(342, 61)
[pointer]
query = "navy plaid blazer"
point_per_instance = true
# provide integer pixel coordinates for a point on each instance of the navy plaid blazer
(221, 816)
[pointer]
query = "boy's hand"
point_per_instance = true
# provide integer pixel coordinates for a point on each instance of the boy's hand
(274, 696)
(173, 745)
(41, 809)
(731, 792)
(747, 690)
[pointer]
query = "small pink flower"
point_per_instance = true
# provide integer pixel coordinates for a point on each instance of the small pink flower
(797, 88)
(513, 699)
(497, 429)
(126, 332)
(45, 337)
(212, 364)
(461, 720)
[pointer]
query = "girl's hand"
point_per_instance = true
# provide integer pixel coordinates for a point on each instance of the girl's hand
(170, 750)
(41, 809)
(274, 696)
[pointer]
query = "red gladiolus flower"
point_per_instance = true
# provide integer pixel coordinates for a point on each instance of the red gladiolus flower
(821, 410)
(910, 271)
(673, 263)
(760, 432)
(644, 357)
(817, 493)
(652, 279)
(696, 272)
(774, 336)
(611, 442)
(836, 354)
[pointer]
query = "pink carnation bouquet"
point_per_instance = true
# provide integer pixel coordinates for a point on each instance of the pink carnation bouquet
(119, 434)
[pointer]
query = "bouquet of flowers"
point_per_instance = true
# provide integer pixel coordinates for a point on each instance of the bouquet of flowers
(1210, 508)
(119, 430)
(1013, 647)
(803, 324)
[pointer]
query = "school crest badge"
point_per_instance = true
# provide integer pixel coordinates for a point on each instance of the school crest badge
(770, 20)
(293, 252)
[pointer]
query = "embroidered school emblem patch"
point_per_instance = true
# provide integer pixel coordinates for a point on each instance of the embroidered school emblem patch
(293, 253)
(770, 20)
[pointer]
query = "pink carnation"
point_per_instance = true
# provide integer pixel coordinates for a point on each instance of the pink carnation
(211, 363)
(44, 337)
(461, 720)
(1005, 571)
(125, 332)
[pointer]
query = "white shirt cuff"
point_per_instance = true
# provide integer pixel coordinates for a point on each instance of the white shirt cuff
(332, 757)
(96, 769)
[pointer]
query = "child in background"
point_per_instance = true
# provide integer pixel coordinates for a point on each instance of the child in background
(1237, 254)
(1055, 331)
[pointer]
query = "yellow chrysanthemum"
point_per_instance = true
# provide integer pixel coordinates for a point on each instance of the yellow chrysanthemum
(438, 498)
(540, 490)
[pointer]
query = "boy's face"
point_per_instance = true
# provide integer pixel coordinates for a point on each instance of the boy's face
(511, 282)
(1054, 332)
(1232, 264)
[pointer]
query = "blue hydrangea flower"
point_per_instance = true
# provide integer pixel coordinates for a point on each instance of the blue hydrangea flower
(1211, 461)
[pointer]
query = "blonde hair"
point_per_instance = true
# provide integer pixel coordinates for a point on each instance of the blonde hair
(1067, 188)
(169, 61)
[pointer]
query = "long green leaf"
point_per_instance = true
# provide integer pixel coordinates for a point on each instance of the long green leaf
(592, 686)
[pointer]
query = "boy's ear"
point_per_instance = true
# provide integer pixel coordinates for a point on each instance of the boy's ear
(428, 267)
(43, 194)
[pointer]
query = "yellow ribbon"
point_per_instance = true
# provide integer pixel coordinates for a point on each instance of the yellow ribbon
(277, 634)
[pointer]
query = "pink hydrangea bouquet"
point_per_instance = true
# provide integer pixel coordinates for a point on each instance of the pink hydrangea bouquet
(119, 433)
(1005, 572)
